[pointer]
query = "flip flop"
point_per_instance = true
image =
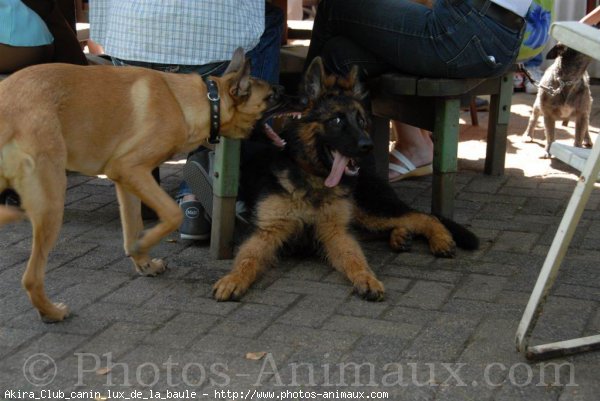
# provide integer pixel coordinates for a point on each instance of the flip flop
(409, 169)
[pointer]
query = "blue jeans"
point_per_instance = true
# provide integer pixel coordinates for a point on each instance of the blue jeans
(264, 58)
(452, 40)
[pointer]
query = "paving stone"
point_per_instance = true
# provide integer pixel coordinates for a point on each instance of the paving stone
(471, 308)
(304, 337)
(117, 339)
(442, 340)
(13, 338)
(512, 241)
(280, 348)
(139, 290)
(310, 311)
(366, 326)
(311, 287)
(426, 295)
(478, 286)
(355, 306)
(248, 320)
(48, 347)
(270, 297)
(563, 318)
(422, 273)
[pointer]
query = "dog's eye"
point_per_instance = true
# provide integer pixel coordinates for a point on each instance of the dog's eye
(362, 123)
(335, 121)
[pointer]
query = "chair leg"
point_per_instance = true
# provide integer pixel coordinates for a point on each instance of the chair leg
(381, 139)
(445, 153)
(550, 268)
(225, 187)
(498, 127)
(473, 110)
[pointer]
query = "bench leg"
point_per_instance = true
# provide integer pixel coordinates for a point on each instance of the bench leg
(498, 126)
(445, 151)
(225, 187)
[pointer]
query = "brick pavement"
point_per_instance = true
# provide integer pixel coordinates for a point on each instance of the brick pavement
(445, 331)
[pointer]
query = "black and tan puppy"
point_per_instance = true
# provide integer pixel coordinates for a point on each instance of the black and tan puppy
(313, 188)
(117, 121)
(564, 93)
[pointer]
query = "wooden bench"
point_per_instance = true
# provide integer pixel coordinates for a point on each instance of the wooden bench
(434, 104)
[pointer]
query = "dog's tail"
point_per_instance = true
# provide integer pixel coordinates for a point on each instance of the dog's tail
(463, 237)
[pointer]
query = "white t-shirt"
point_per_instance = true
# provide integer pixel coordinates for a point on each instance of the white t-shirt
(518, 7)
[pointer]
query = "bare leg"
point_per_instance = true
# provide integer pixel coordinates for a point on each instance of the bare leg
(414, 143)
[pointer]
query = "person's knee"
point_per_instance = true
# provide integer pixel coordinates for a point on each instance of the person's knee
(14, 58)
(273, 16)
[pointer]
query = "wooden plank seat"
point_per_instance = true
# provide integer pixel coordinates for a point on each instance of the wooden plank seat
(434, 104)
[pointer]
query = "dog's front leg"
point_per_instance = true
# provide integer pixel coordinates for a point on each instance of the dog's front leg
(255, 254)
(131, 222)
(582, 133)
(344, 254)
(529, 131)
(549, 127)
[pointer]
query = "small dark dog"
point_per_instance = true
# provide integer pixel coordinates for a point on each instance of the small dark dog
(564, 92)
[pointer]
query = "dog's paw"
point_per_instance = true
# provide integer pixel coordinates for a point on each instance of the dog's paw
(151, 267)
(400, 240)
(442, 246)
(526, 137)
(369, 288)
(230, 288)
(57, 313)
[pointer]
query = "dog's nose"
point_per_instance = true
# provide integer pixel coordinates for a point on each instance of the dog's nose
(365, 144)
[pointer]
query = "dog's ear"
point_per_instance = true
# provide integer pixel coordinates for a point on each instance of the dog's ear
(237, 61)
(556, 51)
(240, 84)
(314, 79)
(357, 87)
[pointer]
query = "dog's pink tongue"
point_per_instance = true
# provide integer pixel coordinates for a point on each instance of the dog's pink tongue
(337, 170)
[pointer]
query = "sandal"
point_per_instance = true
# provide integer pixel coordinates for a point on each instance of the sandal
(409, 169)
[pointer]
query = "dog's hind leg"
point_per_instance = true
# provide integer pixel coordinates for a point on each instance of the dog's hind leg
(131, 222)
(255, 254)
(377, 208)
(404, 227)
(138, 182)
(42, 197)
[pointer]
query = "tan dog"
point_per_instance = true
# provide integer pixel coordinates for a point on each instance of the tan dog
(117, 121)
